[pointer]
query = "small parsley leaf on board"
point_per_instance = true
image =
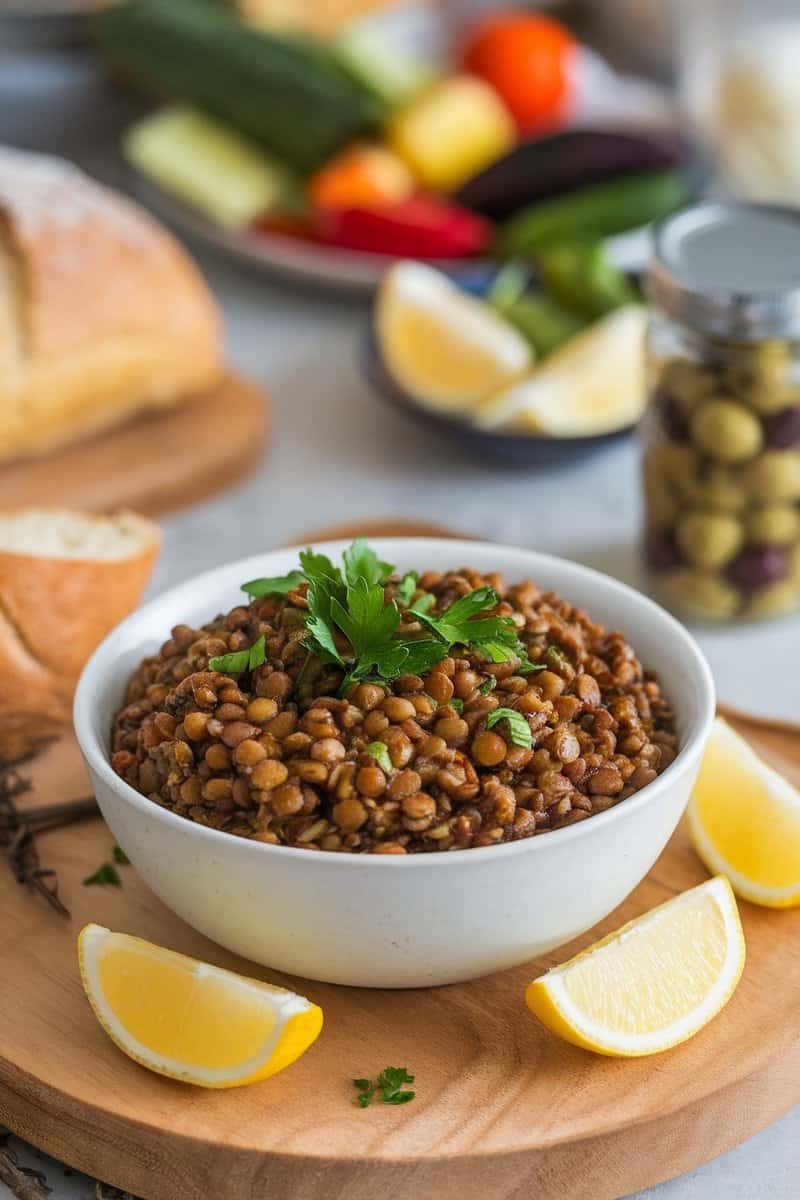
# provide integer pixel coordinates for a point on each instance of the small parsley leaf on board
(119, 856)
(107, 873)
(276, 585)
(366, 1089)
(241, 660)
(407, 586)
(390, 1085)
(391, 1081)
(518, 728)
(380, 752)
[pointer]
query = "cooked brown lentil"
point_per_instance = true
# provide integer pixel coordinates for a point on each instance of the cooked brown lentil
(278, 756)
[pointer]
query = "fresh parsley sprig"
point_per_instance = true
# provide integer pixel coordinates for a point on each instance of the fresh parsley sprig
(351, 624)
(389, 1085)
(276, 585)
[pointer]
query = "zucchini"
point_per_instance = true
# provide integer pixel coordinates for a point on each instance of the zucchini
(580, 276)
(286, 93)
(594, 212)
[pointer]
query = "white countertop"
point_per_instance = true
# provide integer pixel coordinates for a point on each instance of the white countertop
(337, 453)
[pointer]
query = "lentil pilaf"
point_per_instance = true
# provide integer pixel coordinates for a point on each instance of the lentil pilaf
(294, 751)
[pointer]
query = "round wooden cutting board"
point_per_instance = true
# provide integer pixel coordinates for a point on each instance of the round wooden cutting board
(503, 1111)
(155, 463)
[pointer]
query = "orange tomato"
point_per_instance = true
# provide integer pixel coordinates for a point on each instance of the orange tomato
(526, 58)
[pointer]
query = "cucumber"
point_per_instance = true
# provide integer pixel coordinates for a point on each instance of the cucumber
(286, 93)
(594, 212)
(542, 319)
(391, 74)
(208, 165)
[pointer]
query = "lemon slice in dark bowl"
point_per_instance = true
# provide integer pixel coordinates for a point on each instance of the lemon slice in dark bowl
(520, 449)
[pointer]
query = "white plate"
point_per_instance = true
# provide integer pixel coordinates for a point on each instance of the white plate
(602, 97)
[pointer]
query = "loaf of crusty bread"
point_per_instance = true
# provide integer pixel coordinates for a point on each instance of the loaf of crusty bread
(324, 18)
(102, 313)
(66, 579)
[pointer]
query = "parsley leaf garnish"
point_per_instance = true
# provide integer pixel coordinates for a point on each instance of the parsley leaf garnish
(390, 1086)
(355, 606)
(380, 752)
(362, 563)
(407, 586)
(107, 873)
(276, 585)
(518, 728)
(457, 704)
(488, 685)
(462, 625)
(424, 604)
(240, 660)
(119, 856)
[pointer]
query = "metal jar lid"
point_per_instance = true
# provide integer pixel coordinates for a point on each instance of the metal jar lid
(729, 270)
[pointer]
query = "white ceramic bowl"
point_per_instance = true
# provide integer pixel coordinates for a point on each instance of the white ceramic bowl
(382, 921)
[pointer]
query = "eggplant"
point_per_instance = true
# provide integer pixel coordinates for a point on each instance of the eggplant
(573, 159)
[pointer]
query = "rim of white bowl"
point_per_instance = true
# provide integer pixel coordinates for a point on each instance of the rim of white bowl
(97, 756)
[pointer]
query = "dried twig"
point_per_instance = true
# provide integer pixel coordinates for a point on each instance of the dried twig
(18, 832)
(23, 1182)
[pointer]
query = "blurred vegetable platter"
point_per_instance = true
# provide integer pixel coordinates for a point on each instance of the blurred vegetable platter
(355, 144)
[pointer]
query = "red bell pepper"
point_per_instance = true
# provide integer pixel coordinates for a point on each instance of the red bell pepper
(419, 227)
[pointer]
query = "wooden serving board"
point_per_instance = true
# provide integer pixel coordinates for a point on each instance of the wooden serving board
(155, 463)
(504, 1110)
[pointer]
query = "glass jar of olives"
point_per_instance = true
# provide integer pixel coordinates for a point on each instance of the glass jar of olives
(722, 431)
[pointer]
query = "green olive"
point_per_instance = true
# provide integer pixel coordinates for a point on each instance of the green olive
(761, 375)
(774, 477)
(773, 601)
(726, 431)
(709, 539)
(662, 507)
(720, 490)
(687, 383)
(776, 525)
(700, 594)
(678, 463)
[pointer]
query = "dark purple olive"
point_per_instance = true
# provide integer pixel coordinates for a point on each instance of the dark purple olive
(758, 566)
(572, 159)
(660, 550)
(782, 429)
(675, 424)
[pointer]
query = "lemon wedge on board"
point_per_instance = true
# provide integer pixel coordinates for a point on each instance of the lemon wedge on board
(594, 384)
(653, 983)
(744, 821)
(190, 1020)
(444, 347)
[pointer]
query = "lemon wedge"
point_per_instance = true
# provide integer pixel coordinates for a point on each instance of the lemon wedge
(445, 348)
(652, 984)
(744, 821)
(187, 1019)
(594, 384)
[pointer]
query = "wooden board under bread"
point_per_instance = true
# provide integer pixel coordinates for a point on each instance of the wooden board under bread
(155, 463)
